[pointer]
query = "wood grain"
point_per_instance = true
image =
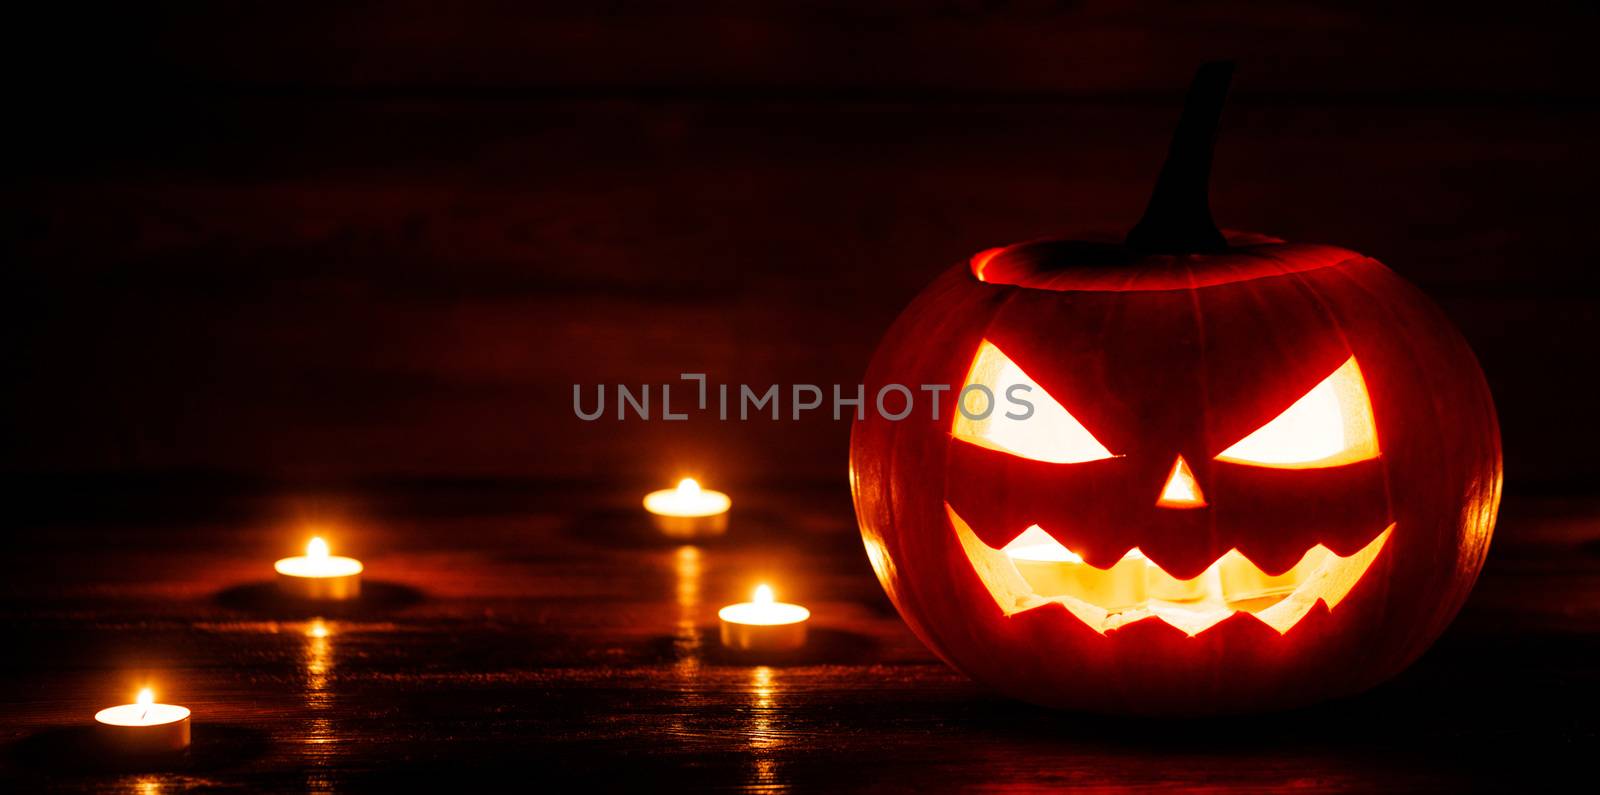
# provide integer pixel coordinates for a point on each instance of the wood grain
(272, 264)
(241, 237)
(420, 287)
(561, 645)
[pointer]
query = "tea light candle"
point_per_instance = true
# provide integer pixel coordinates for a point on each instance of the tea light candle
(763, 625)
(318, 575)
(144, 727)
(688, 510)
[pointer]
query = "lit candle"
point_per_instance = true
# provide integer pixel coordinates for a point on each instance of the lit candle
(688, 510)
(763, 625)
(318, 575)
(144, 727)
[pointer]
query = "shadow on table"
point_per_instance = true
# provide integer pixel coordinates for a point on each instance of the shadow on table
(77, 750)
(824, 646)
(1489, 708)
(615, 528)
(266, 599)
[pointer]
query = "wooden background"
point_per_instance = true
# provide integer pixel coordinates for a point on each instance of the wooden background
(269, 264)
(543, 641)
(328, 243)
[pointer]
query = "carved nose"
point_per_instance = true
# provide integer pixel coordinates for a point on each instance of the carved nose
(1181, 491)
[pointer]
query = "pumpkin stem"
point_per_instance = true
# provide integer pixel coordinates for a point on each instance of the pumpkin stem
(1178, 218)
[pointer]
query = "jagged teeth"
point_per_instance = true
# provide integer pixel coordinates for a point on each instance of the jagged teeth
(1034, 569)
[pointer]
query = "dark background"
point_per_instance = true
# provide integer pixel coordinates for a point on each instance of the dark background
(271, 269)
(325, 244)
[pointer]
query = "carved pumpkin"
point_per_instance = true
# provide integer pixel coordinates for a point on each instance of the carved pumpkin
(1255, 474)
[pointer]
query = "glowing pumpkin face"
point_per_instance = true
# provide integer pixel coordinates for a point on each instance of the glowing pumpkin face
(1255, 475)
(1330, 426)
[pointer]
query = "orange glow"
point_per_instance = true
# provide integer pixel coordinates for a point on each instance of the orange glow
(146, 713)
(764, 623)
(1036, 545)
(686, 637)
(1181, 491)
(687, 568)
(1135, 588)
(1050, 434)
(318, 661)
(688, 499)
(763, 609)
(1330, 426)
(317, 563)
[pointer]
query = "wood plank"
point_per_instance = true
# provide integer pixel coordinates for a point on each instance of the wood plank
(561, 645)
(897, 47)
(417, 286)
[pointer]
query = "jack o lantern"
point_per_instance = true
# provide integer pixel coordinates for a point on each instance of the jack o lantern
(1251, 474)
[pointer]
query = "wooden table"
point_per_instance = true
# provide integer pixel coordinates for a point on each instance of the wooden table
(532, 638)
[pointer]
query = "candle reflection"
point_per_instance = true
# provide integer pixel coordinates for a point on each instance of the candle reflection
(686, 634)
(761, 709)
(318, 662)
(763, 736)
(686, 646)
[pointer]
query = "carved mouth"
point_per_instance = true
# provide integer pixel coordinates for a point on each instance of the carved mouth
(1035, 570)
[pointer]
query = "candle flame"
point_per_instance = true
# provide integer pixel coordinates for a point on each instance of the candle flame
(688, 487)
(317, 548)
(146, 698)
(763, 595)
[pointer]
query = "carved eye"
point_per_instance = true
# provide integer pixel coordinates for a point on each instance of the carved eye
(1049, 433)
(1330, 426)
